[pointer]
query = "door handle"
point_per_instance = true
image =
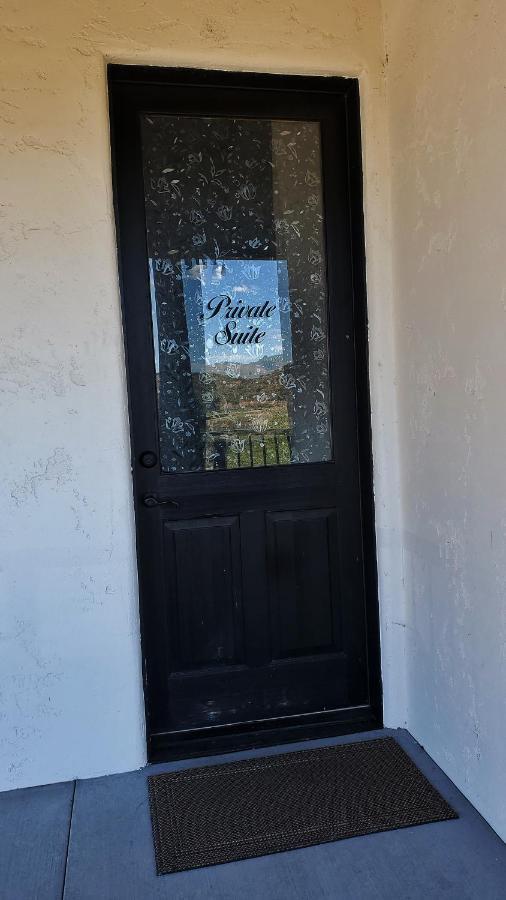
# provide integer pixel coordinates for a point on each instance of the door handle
(151, 500)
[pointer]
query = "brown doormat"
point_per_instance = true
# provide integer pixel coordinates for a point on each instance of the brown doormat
(237, 810)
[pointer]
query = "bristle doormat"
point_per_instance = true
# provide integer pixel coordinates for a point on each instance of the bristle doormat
(238, 810)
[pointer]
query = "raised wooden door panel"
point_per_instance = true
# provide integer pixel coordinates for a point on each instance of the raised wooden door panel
(303, 583)
(204, 598)
(241, 257)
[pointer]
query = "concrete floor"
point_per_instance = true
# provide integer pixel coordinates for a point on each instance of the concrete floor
(91, 840)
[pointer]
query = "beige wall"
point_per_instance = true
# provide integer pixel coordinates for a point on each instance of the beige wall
(447, 99)
(71, 702)
(70, 685)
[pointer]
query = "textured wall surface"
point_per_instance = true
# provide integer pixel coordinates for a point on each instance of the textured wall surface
(447, 99)
(70, 683)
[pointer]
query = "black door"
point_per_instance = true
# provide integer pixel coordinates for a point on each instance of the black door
(238, 202)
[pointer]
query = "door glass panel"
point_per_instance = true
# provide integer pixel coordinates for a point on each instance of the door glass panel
(236, 256)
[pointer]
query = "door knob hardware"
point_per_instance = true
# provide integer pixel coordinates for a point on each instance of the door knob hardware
(151, 500)
(148, 459)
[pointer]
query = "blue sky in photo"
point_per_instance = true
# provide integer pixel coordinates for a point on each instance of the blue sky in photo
(246, 282)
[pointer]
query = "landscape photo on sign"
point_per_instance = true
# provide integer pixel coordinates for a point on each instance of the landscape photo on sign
(239, 342)
(237, 311)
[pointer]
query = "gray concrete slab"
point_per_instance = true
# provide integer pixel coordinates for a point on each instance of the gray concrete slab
(111, 850)
(34, 830)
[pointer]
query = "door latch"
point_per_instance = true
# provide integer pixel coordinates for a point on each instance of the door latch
(152, 500)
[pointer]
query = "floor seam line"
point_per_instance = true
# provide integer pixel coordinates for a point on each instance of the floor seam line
(64, 885)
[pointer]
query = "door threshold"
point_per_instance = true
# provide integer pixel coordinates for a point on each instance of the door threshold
(170, 746)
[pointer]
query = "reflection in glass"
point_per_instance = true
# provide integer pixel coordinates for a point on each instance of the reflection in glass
(234, 222)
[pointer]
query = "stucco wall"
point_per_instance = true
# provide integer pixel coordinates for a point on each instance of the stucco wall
(447, 100)
(71, 698)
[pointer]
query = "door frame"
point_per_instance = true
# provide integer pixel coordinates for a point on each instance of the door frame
(354, 719)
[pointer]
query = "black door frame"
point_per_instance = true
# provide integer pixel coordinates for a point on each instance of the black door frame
(255, 734)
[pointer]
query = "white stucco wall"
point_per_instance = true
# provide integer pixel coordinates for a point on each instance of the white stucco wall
(447, 100)
(70, 682)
